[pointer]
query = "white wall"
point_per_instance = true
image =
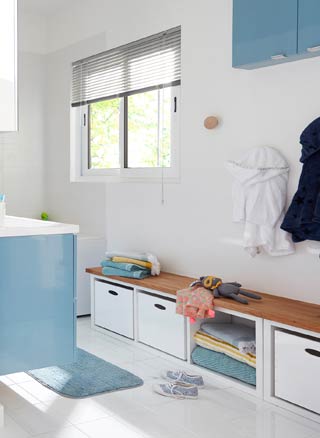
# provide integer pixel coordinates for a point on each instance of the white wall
(34, 162)
(21, 153)
(79, 203)
(192, 232)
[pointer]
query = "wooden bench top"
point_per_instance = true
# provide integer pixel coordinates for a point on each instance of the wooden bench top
(279, 309)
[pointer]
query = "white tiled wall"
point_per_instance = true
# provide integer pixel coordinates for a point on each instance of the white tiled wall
(22, 153)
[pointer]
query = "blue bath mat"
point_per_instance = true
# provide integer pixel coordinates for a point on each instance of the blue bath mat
(88, 376)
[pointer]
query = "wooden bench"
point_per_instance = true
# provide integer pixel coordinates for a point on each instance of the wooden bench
(274, 308)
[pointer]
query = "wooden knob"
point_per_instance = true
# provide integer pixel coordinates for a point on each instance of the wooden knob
(211, 122)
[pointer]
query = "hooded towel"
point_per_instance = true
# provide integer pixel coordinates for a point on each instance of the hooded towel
(259, 198)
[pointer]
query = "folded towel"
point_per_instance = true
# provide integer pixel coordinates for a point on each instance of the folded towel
(147, 265)
(144, 257)
(130, 255)
(224, 364)
(124, 266)
(238, 335)
(123, 273)
(211, 343)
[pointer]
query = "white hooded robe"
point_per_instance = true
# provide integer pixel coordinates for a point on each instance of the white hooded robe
(259, 199)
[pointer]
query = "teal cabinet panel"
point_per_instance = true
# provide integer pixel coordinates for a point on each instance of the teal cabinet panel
(309, 27)
(37, 308)
(264, 32)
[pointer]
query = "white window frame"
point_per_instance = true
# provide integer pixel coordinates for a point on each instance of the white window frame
(79, 163)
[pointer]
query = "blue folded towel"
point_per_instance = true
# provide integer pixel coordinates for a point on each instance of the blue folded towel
(124, 266)
(123, 273)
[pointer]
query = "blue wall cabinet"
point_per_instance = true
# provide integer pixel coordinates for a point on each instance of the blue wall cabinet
(264, 31)
(37, 301)
(267, 32)
(309, 27)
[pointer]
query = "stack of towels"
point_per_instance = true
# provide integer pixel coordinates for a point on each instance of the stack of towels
(130, 265)
(227, 348)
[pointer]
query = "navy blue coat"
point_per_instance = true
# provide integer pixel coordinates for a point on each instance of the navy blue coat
(303, 216)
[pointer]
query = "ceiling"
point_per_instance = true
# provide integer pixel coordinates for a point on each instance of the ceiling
(42, 7)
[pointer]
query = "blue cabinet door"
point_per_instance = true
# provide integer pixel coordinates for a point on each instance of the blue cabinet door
(263, 31)
(37, 318)
(309, 27)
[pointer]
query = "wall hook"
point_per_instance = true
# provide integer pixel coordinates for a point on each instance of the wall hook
(211, 122)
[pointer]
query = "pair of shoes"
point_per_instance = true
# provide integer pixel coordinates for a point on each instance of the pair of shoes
(181, 386)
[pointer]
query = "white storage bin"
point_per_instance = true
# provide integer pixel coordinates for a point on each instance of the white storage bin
(114, 308)
(159, 326)
(297, 370)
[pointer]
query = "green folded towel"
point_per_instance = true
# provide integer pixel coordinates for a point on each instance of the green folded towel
(124, 266)
(128, 274)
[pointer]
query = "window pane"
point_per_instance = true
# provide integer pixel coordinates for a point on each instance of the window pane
(149, 129)
(104, 134)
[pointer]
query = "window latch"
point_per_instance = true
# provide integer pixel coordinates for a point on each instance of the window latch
(175, 105)
(84, 120)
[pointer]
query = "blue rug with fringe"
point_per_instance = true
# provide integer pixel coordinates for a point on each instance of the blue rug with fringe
(86, 377)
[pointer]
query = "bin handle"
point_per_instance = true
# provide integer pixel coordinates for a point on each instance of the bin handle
(312, 352)
(160, 307)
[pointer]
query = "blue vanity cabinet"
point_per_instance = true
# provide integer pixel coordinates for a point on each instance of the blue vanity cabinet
(309, 28)
(37, 301)
(264, 32)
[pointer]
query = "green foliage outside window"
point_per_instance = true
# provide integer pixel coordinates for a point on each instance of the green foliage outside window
(149, 131)
(105, 134)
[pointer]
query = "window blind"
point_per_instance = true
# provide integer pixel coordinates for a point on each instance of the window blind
(151, 62)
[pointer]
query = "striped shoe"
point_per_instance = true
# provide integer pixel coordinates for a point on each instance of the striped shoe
(182, 377)
(176, 390)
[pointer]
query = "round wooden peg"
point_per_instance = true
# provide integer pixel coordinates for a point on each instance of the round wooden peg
(211, 122)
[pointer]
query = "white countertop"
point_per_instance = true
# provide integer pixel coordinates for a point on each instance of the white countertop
(21, 226)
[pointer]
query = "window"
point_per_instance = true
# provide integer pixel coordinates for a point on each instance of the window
(125, 110)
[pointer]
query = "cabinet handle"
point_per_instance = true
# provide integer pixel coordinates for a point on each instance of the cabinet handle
(160, 307)
(313, 49)
(312, 352)
(280, 56)
(113, 292)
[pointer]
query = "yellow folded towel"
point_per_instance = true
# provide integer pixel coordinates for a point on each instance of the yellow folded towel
(134, 261)
(207, 341)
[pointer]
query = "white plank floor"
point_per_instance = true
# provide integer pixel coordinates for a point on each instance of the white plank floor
(34, 411)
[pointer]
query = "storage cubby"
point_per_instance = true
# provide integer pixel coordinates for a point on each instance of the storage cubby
(114, 307)
(220, 357)
(291, 366)
(296, 365)
(159, 326)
